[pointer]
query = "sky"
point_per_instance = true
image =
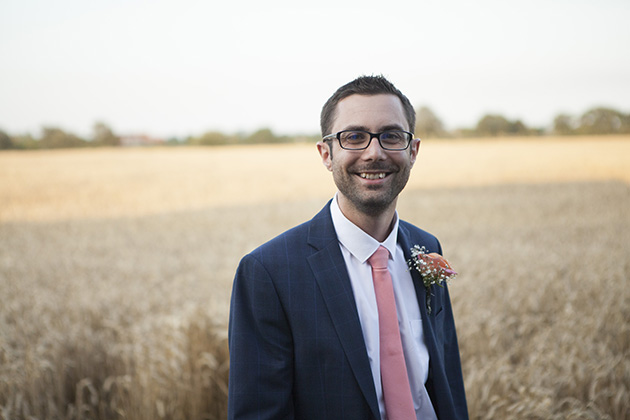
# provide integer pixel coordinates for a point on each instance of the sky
(171, 68)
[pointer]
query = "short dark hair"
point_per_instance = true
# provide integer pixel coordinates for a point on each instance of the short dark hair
(364, 85)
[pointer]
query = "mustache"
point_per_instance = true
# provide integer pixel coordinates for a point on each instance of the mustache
(374, 168)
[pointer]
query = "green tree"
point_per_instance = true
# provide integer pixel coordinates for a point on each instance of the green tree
(264, 135)
(211, 138)
(55, 138)
(25, 141)
(428, 124)
(564, 124)
(492, 125)
(5, 141)
(519, 128)
(603, 121)
(102, 135)
(496, 125)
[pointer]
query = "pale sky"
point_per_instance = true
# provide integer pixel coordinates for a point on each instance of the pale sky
(178, 68)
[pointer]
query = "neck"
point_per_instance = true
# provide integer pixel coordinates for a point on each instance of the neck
(378, 224)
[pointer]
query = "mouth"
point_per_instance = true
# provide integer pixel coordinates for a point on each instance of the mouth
(370, 175)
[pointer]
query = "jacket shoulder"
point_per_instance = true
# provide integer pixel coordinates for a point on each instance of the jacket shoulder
(416, 236)
(314, 233)
(289, 238)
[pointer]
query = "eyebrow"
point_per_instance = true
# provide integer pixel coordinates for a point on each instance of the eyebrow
(380, 130)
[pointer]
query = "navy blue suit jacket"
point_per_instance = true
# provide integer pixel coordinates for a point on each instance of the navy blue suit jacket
(296, 344)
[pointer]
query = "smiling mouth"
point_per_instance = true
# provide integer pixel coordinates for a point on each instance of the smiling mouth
(379, 175)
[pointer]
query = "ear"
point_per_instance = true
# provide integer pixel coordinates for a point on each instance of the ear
(414, 149)
(324, 151)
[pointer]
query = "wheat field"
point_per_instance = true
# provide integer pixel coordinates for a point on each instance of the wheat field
(116, 268)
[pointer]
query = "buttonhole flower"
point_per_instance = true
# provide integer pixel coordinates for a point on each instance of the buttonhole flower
(433, 268)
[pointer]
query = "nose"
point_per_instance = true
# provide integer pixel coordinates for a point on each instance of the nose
(374, 151)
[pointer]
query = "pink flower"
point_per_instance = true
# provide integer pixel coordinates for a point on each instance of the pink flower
(433, 268)
(438, 263)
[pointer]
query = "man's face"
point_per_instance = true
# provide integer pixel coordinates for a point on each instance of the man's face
(369, 180)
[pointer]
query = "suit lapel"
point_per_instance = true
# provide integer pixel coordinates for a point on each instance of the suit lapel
(405, 242)
(331, 274)
(404, 238)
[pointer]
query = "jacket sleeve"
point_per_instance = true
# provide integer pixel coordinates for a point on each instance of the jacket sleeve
(260, 342)
(452, 362)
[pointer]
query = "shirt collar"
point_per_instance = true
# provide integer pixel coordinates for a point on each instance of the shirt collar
(358, 242)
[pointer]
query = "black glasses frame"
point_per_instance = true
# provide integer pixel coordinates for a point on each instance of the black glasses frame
(372, 135)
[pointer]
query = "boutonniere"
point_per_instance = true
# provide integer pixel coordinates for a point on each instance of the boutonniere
(433, 268)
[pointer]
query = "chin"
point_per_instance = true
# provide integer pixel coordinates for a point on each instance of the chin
(373, 207)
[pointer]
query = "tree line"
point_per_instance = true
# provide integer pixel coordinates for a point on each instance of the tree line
(103, 136)
(599, 120)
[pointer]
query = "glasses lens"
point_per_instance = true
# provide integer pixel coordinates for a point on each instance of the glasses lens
(394, 140)
(354, 139)
(389, 140)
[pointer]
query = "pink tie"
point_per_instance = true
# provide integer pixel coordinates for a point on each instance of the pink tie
(396, 389)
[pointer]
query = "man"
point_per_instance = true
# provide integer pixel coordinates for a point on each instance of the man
(309, 336)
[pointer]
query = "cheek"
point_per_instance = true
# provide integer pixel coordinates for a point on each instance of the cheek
(334, 165)
(408, 160)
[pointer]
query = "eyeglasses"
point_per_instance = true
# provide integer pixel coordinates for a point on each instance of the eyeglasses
(360, 140)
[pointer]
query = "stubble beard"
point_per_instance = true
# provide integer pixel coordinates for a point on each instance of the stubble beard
(374, 200)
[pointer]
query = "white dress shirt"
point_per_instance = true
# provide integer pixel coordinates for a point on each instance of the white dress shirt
(356, 247)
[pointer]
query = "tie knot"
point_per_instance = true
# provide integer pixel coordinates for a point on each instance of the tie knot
(379, 258)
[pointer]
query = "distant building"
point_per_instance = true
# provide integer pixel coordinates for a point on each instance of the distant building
(140, 140)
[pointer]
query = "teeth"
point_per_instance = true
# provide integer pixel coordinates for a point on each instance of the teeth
(372, 176)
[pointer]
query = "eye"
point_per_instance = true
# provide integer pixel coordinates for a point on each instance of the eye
(393, 136)
(354, 136)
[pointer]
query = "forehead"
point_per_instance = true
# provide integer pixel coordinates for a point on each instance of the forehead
(372, 112)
